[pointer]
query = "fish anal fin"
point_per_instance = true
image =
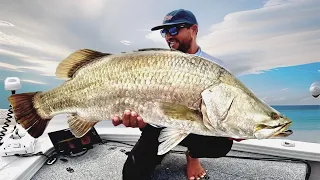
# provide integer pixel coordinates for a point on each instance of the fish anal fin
(67, 68)
(179, 112)
(80, 126)
(169, 138)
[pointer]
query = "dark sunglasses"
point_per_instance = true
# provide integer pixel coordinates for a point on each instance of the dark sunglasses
(173, 30)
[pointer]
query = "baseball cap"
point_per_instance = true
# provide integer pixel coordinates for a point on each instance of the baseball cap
(179, 16)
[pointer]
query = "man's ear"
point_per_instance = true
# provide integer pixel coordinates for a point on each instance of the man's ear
(194, 29)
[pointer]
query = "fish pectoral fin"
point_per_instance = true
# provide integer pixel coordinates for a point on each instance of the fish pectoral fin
(80, 126)
(68, 67)
(179, 112)
(169, 138)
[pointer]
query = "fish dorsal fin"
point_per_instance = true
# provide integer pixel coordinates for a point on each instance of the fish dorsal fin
(68, 67)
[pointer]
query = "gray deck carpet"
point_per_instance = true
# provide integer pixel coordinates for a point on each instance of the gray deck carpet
(106, 162)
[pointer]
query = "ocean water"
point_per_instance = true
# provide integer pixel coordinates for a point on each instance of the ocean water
(304, 117)
(306, 122)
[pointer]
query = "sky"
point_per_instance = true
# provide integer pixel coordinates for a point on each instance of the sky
(272, 46)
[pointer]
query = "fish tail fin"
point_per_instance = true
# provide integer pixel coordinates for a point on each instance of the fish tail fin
(26, 114)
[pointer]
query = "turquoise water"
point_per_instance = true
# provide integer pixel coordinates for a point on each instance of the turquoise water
(304, 117)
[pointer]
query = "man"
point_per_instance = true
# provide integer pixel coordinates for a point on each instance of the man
(180, 29)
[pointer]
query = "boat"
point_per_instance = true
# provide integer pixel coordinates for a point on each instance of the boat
(248, 159)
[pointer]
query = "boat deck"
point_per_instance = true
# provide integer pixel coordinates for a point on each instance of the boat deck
(105, 161)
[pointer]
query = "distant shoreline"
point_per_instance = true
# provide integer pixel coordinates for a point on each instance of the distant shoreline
(295, 105)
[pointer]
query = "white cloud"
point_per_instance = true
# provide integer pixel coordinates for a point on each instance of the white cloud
(32, 81)
(28, 81)
(284, 89)
(273, 99)
(36, 45)
(45, 70)
(278, 2)
(46, 67)
(289, 98)
(156, 37)
(16, 41)
(5, 23)
(125, 42)
(11, 53)
(42, 36)
(77, 8)
(10, 67)
(266, 38)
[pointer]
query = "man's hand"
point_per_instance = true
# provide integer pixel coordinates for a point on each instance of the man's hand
(129, 119)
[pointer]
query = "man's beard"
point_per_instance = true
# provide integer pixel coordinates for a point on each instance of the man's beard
(184, 46)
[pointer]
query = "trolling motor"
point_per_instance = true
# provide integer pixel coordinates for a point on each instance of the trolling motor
(18, 141)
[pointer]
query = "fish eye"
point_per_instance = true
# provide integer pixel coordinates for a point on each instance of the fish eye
(275, 116)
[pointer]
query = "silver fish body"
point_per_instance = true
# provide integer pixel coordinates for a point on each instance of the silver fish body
(183, 92)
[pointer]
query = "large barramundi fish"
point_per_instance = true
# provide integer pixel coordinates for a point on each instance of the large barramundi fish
(182, 92)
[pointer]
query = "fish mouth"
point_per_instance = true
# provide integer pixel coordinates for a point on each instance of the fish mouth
(266, 131)
(284, 131)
